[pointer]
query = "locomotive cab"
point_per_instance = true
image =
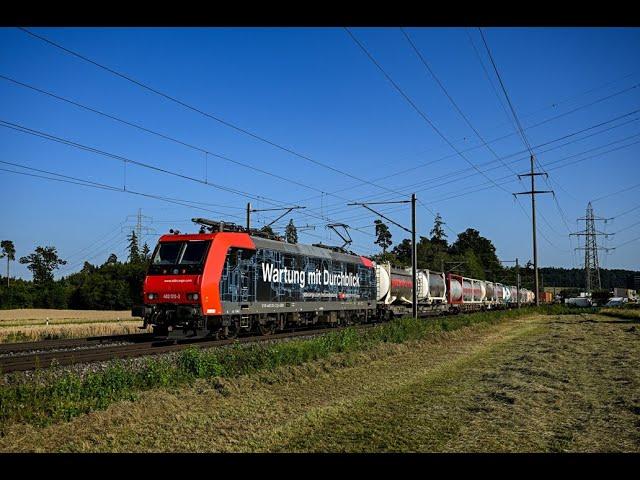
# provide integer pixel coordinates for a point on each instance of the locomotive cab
(172, 287)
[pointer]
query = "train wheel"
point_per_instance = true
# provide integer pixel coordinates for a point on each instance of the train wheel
(267, 329)
(160, 331)
(231, 331)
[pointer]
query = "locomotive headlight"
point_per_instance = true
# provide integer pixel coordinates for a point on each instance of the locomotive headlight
(151, 296)
(192, 296)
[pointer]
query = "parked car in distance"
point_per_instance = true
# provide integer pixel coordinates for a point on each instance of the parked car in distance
(616, 302)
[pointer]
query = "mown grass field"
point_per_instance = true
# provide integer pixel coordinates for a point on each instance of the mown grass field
(540, 383)
(30, 324)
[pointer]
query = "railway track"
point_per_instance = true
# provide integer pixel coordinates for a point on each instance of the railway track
(97, 353)
(67, 343)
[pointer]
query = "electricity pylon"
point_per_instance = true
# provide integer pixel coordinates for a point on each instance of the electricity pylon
(591, 266)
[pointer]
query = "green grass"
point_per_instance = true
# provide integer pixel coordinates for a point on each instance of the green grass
(52, 398)
(626, 313)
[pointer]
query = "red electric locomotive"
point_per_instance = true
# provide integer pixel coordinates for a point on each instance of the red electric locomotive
(224, 281)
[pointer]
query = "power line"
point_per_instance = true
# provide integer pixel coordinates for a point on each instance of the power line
(504, 90)
(414, 106)
(540, 123)
(158, 134)
(126, 160)
(616, 193)
(81, 182)
(627, 227)
(86, 183)
(451, 100)
(166, 137)
(636, 208)
(486, 185)
(454, 175)
(201, 112)
(625, 243)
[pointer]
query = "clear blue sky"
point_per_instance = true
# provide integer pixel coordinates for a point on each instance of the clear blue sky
(314, 91)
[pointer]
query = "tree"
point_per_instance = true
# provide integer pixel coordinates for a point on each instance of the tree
(438, 235)
(87, 268)
(134, 249)
(113, 258)
(9, 251)
(291, 233)
(146, 252)
(482, 247)
(383, 235)
(42, 263)
(268, 230)
(402, 252)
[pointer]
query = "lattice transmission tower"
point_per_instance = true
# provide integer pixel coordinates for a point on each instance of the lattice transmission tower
(591, 266)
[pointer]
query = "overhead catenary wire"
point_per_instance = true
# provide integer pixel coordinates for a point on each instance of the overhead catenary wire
(413, 104)
(466, 119)
(81, 182)
(509, 179)
(488, 186)
(144, 128)
(455, 176)
(167, 137)
(164, 136)
(202, 112)
(91, 184)
(492, 141)
(451, 100)
(524, 139)
(626, 243)
(126, 160)
(609, 195)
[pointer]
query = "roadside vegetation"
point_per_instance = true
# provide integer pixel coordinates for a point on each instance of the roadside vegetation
(627, 313)
(50, 397)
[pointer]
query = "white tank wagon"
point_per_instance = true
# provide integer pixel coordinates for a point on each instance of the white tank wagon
(473, 291)
(480, 292)
(490, 289)
(494, 295)
(455, 290)
(437, 288)
(514, 295)
(383, 282)
(499, 293)
(395, 285)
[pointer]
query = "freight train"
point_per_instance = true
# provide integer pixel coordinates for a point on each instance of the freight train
(227, 281)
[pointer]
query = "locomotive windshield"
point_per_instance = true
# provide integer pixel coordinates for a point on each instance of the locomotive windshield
(187, 256)
(167, 253)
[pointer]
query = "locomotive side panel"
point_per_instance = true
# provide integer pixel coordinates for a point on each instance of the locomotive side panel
(291, 278)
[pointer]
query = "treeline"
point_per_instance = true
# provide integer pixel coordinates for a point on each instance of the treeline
(114, 285)
(470, 254)
(574, 277)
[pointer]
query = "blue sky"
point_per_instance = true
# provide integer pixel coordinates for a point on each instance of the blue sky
(314, 91)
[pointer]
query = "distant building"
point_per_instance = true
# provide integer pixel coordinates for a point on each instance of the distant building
(557, 290)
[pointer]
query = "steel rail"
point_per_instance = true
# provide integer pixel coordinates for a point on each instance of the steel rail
(69, 357)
